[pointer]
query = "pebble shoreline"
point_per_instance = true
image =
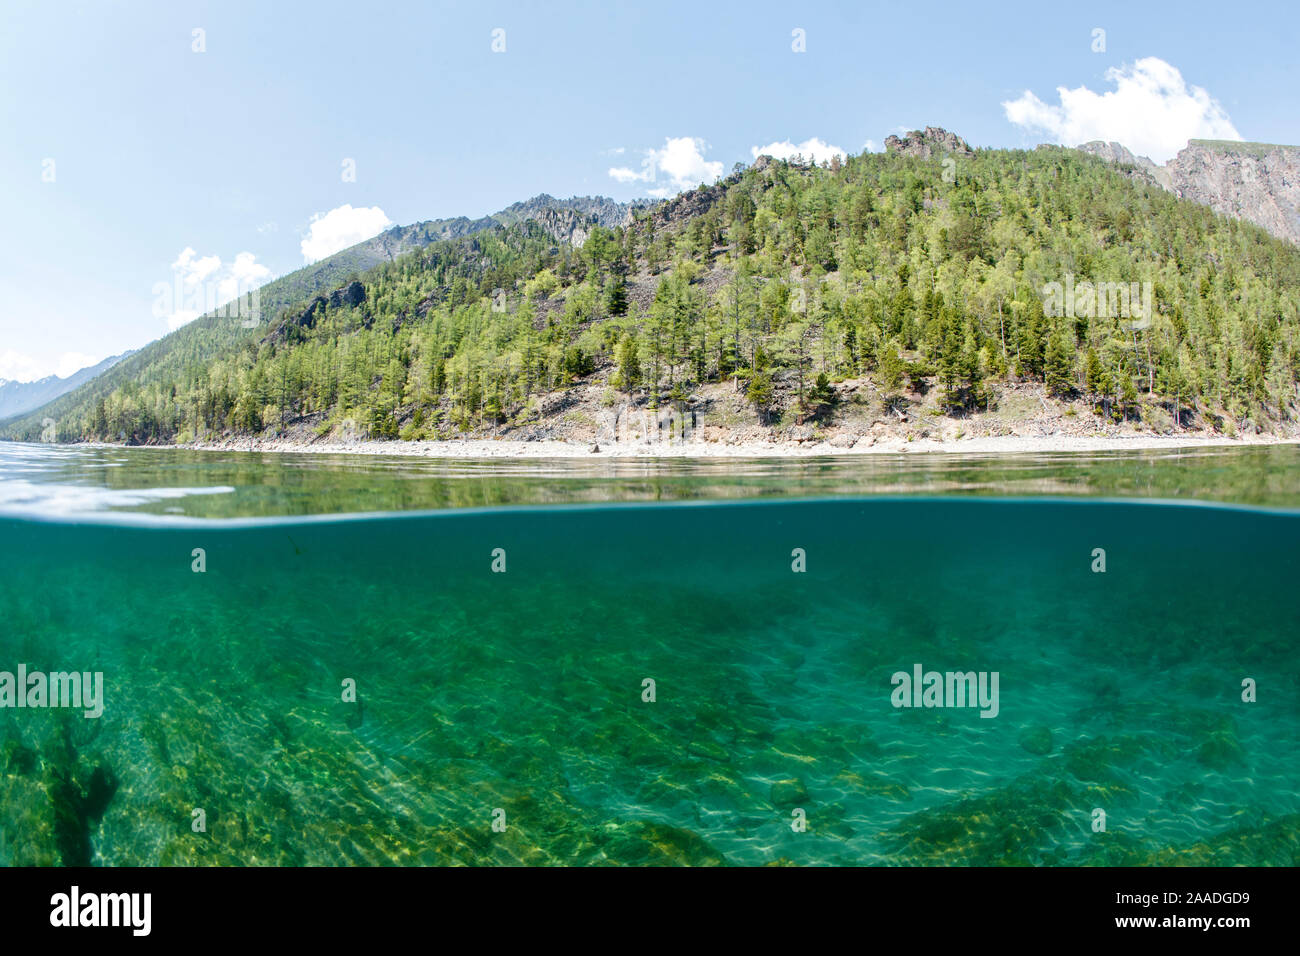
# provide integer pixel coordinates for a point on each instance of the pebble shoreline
(488, 448)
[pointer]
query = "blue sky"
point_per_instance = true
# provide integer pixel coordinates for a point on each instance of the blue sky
(237, 153)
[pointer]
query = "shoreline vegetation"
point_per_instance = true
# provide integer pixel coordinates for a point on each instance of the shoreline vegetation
(696, 448)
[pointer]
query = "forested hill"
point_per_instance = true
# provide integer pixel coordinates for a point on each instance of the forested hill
(163, 362)
(888, 283)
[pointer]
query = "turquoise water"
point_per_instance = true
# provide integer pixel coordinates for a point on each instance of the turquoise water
(518, 695)
(47, 480)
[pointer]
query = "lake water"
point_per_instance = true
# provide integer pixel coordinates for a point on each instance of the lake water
(632, 662)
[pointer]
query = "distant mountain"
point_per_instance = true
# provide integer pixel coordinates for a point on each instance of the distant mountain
(1257, 182)
(19, 397)
(568, 221)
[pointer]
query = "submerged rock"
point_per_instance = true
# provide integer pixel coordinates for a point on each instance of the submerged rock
(788, 793)
(876, 785)
(709, 750)
(1221, 750)
(1037, 740)
(645, 843)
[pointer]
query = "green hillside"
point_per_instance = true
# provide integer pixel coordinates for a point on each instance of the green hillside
(162, 362)
(922, 276)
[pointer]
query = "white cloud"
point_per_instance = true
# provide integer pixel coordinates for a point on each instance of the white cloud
(244, 275)
(181, 317)
(342, 227)
(625, 175)
(70, 362)
(813, 149)
(200, 284)
(1152, 111)
(193, 270)
(17, 367)
(681, 162)
(870, 146)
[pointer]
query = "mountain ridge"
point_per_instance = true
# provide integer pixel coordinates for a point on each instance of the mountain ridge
(18, 398)
(569, 220)
(874, 289)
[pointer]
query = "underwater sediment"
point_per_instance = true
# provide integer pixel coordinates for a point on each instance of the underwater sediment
(659, 685)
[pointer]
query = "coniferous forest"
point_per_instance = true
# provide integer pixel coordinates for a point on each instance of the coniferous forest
(783, 280)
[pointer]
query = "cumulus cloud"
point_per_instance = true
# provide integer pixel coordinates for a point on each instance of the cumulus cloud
(1152, 111)
(180, 317)
(243, 275)
(201, 284)
(813, 149)
(19, 367)
(624, 175)
(342, 227)
(193, 268)
(70, 362)
(681, 163)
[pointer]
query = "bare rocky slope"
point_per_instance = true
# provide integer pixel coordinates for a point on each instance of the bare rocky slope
(1257, 182)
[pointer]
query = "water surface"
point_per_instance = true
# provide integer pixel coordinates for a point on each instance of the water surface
(519, 695)
(45, 480)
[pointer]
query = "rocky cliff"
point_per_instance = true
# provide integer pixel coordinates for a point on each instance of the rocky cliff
(1253, 181)
(1257, 182)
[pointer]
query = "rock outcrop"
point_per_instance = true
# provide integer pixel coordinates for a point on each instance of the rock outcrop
(933, 142)
(568, 220)
(349, 296)
(1143, 167)
(352, 294)
(566, 225)
(601, 210)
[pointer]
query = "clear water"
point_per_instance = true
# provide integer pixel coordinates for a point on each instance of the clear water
(518, 695)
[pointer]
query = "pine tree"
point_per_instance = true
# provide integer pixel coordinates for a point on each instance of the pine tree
(761, 394)
(628, 375)
(616, 301)
(1058, 372)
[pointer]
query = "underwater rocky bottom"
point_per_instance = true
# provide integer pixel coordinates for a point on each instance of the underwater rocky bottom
(662, 684)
